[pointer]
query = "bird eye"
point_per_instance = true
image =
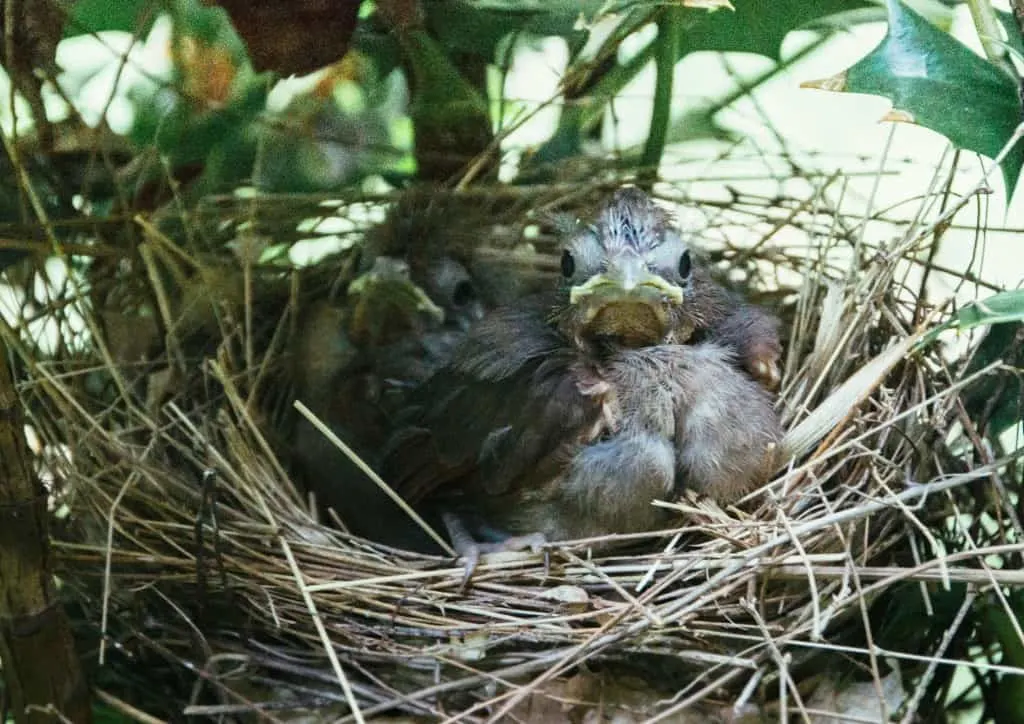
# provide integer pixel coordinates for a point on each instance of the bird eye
(568, 264)
(463, 293)
(684, 264)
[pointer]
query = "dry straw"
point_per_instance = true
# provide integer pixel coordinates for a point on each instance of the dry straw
(193, 556)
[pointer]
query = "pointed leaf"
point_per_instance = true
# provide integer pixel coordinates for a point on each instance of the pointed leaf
(998, 309)
(996, 401)
(478, 26)
(935, 81)
(759, 27)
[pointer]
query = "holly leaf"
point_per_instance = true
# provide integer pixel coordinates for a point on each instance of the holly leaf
(479, 26)
(759, 27)
(935, 81)
(1000, 308)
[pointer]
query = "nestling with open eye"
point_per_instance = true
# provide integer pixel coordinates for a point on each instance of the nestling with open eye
(566, 415)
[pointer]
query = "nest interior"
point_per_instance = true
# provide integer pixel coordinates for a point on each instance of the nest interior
(201, 573)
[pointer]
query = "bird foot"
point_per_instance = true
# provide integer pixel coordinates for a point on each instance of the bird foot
(762, 362)
(471, 550)
(534, 542)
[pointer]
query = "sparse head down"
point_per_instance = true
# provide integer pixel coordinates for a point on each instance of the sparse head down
(631, 220)
(627, 276)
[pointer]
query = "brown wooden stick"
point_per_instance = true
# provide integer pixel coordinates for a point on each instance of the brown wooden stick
(42, 674)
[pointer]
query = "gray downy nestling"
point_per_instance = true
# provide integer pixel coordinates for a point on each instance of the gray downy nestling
(567, 414)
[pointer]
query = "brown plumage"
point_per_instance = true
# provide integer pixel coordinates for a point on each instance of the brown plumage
(567, 414)
(354, 361)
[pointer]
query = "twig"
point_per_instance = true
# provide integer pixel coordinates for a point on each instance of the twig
(322, 632)
(369, 472)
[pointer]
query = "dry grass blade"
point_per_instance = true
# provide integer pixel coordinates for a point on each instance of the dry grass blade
(368, 471)
(843, 402)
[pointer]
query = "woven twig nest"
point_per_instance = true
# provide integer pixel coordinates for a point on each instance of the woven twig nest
(191, 551)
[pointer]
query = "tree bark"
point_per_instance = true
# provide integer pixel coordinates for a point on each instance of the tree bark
(42, 675)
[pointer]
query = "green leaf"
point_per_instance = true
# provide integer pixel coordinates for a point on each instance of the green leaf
(1014, 39)
(996, 401)
(759, 27)
(997, 396)
(902, 620)
(935, 81)
(1000, 308)
(94, 16)
(184, 134)
(997, 624)
(997, 309)
(479, 26)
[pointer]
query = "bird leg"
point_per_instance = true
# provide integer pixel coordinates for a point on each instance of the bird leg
(470, 549)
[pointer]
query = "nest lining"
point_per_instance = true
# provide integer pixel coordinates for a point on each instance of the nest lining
(185, 508)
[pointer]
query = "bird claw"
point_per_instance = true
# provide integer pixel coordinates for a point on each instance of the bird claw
(471, 551)
(763, 365)
(472, 556)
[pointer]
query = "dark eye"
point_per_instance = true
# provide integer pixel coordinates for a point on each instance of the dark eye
(463, 293)
(684, 264)
(568, 264)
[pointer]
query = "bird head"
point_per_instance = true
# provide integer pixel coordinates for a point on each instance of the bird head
(449, 284)
(626, 278)
(433, 232)
(386, 303)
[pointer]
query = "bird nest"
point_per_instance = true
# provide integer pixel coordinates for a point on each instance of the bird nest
(199, 572)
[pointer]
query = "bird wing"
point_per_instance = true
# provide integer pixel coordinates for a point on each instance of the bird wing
(499, 415)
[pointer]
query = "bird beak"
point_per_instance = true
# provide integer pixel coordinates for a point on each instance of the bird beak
(627, 280)
(387, 285)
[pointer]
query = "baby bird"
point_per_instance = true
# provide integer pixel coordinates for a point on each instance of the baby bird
(567, 414)
(355, 361)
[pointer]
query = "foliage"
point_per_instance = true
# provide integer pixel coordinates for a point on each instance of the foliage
(209, 116)
(935, 81)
